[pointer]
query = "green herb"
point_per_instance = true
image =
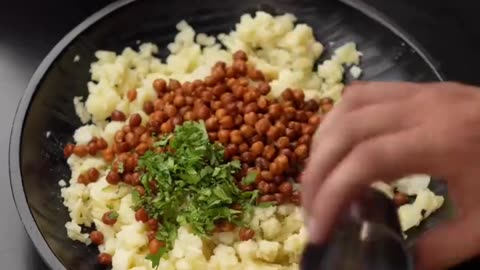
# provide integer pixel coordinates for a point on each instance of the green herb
(195, 186)
(120, 167)
(250, 178)
(113, 215)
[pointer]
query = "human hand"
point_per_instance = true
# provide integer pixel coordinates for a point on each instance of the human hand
(390, 130)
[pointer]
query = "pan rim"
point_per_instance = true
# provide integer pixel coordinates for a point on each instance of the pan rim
(16, 182)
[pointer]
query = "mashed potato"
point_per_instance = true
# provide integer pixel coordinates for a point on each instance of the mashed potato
(287, 53)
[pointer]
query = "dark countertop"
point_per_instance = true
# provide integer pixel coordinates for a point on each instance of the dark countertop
(29, 29)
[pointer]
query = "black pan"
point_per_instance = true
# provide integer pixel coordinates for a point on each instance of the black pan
(36, 160)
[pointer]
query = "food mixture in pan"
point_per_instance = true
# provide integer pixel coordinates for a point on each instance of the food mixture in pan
(194, 162)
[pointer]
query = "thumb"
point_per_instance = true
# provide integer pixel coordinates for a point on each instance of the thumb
(449, 244)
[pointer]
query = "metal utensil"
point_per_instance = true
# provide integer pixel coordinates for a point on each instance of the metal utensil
(368, 237)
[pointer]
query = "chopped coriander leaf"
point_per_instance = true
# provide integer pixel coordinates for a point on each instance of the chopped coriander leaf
(250, 178)
(113, 215)
(120, 167)
(195, 186)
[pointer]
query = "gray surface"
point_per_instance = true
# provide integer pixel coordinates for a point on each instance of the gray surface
(28, 29)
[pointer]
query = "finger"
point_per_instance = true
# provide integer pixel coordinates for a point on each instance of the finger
(449, 244)
(354, 128)
(364, 94)
(386, 157)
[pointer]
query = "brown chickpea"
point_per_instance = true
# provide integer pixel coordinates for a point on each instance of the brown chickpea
(266, 175)
(201, 112)
(257, 148)
(170, 110)
(148, 107)
(275, 168)
(225, 226)
(308, 129)
(236, 137)
(273, 133)
(285, 188)
(93, 174)
(238, 120)
(151, 235)
(96, 237)
(118, 116)
(266, 198)
(251, 107)
(314, 120)
(68, 150)
(108, 155)
(142, 148)
(215, 105)
(299, 96)
(247, 131)
(224, 136)
(121, 147)
(261, 163)
(101, 144)
(239, 67)
(288, 95)
(290, 113)
(275, 110)
(92, 148)
(264, 88)
(245, 234)
(119, 136)
(179, 101)
(158, 104)
(212, 124)
(109, 218)
(131, 95)
(141, 215)
(154, 246)
(400, 199)
(326, 108)
(305, 139)
(166, 127)
(279, 179)
(251, 96)
(152, 224)
(301, 151)
(104, 259)
(174, 85)
(220, 113)
(160, 85)
(227, 98)
(263, 187)
(240, 55)
(238, 91)
(189, 116)
(301, 116)
(243, 148)
(250, 118)
(140, 190)
(269, 152)
(279, 198)
(80, 150)
(83, 179)
(213, 136)
(290, 133)
(131, 139)
(247, 157)
(262, 103)
(282, 142)
(232, 109)
(231, 150)
(218, 90)
(113, 178)
(262, 126)
(207, 96)
(311, 105)
(177, 120)
(227, 122)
